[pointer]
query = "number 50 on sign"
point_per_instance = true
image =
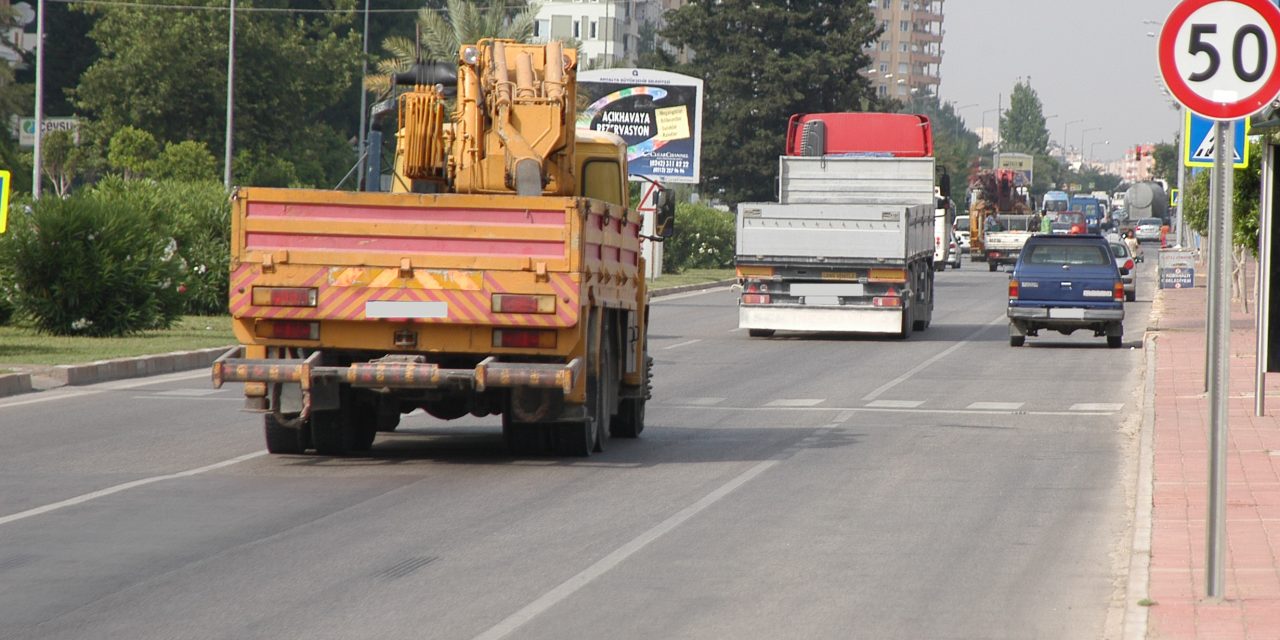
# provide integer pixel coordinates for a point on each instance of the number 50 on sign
(1219, 57)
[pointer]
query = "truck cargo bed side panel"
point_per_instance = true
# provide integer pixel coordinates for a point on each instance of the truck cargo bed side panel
(856, 180)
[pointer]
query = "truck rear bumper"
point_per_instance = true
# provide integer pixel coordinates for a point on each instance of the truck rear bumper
(833, 319)
(395, 374)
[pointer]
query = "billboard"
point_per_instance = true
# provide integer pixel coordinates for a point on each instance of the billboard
(1021, 164)
(657, 113)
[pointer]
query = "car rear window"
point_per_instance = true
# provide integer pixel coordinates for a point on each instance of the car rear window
(1120, 250)
(1073, 254)
(1155, 221)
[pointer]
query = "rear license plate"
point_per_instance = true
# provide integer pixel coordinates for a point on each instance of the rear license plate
(1067, 314)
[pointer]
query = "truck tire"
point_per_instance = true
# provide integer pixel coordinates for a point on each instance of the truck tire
(629, 422)
(338, 432)
(760, 333)
(991, 266)
(1017, 341)
(282, 439)
(524, 439)
(1115, 342)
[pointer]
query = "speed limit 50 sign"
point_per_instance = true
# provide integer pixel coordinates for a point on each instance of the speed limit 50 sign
(1219, 57)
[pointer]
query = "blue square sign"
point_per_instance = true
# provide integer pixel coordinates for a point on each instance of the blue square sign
(1197, 142)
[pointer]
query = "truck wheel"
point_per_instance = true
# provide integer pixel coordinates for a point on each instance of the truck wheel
(760, 333)
(1115, 342)
(1017, 341)
(523, 439)
(607, 387)
(991, 266)
(629, 421)
(337, 432)
(282, 439)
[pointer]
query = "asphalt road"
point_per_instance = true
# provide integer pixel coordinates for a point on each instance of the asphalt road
(947, 486)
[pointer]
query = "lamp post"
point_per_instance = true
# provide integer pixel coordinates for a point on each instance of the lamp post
(231, 84)
(36, 158)
(984, 122)
(1082, 135)
(956, 129)
(361, 153)
(1091, 146)
(1064, 136)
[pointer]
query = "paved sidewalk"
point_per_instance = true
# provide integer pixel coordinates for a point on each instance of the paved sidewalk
(1251, 608)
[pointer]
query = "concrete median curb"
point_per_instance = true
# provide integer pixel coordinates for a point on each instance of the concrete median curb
(685, 288)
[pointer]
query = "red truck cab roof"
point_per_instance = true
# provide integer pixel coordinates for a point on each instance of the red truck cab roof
(898, 135)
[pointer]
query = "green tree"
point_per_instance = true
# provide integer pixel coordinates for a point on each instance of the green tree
(1244, 209)
(1022, 127)
(443, 33)
(762, 61)
(131, 151)
(187, 161)
(1166, 156)
(164, 72)
(64, 161)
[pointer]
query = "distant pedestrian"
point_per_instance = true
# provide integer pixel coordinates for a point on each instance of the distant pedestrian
(1135, 248)
(1046, 223)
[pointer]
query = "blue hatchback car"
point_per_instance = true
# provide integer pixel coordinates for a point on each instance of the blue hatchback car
(1064, 284)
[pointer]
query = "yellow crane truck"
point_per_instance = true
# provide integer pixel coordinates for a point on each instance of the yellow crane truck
(502, 274)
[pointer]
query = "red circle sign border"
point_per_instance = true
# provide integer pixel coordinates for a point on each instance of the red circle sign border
(1247, 106)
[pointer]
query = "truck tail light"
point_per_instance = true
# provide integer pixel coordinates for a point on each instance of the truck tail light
(1013, 289)
(886, 302)
(284, 296)
(755, 298)
(1117, 292)
(288, 330)
(524, 338)
(515, 303)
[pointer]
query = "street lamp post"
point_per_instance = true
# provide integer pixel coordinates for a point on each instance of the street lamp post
(1082, 135)
(231, 84)
(956, 129)
(361, 153)
(1064, 136)
(984, 122)
(1091, 146)
(36, 157)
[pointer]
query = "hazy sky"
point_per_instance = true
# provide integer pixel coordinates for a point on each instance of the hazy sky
(1087, 59)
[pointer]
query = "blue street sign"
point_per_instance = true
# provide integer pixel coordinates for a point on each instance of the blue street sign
(1197, 142)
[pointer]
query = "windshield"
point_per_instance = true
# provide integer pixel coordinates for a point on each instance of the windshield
(1054, 206)
(1090, 209)
(1073, 254)
(962, 223)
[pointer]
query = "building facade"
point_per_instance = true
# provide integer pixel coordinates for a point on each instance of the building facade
(610, 33)
(907, 59)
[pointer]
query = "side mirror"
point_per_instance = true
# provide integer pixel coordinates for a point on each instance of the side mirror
(944, 185)
(664, 202)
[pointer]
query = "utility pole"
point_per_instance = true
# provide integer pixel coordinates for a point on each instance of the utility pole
(231, 85)
(361, 152)
(37, 159)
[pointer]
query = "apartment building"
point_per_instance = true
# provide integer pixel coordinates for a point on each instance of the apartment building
(612, 33)
(906, 60)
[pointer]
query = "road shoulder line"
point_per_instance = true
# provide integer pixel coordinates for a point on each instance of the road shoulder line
(1135, 615)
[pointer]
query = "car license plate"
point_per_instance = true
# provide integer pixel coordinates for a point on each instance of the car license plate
(1067, 314)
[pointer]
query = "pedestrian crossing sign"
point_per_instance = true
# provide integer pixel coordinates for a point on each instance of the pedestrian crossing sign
(1197, 142)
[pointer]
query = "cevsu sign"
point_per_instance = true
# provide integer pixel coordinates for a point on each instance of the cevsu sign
(27, 129)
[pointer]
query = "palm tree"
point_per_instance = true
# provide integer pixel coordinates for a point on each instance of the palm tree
(441, 34)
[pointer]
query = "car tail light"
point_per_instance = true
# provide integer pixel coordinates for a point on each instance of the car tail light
(1118, 291)
(1013, 289)
(288, 330)
(886, 301)
(1128, 264)
(516, 303)
(1077, 229)
(524, 338)
(284, 297)
(755, 298)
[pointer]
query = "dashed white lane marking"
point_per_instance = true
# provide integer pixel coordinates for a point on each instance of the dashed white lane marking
(796, 402)
(102, 493)
(702, 402)
(682, 344)
(187, 393)
(620, 555)
(995, 406)
(895, 404)
(924, 365)
(1096, 406)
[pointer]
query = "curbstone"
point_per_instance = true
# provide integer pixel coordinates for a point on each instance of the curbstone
(12, 384)
(685, 288)
(137, 367)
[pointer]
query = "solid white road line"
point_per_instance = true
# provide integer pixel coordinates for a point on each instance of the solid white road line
(995, 406)
(702, 402)
(683, 344)
(81, 499)
(895, 404)
(66, 393)
(1096, 406)
(685, 407)
(924, 365)
(602, 566)
(796, 402)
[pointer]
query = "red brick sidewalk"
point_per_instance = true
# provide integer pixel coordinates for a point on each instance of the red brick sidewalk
(1251, 608)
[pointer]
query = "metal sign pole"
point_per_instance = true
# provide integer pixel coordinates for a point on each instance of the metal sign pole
(37, 159)
(1263, 305)
(1219, 382)
(1179, 228)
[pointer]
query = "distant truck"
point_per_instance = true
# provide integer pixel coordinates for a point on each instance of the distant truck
(1147, 200)
(1005, 237)
(849, 245)
(992, 193)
